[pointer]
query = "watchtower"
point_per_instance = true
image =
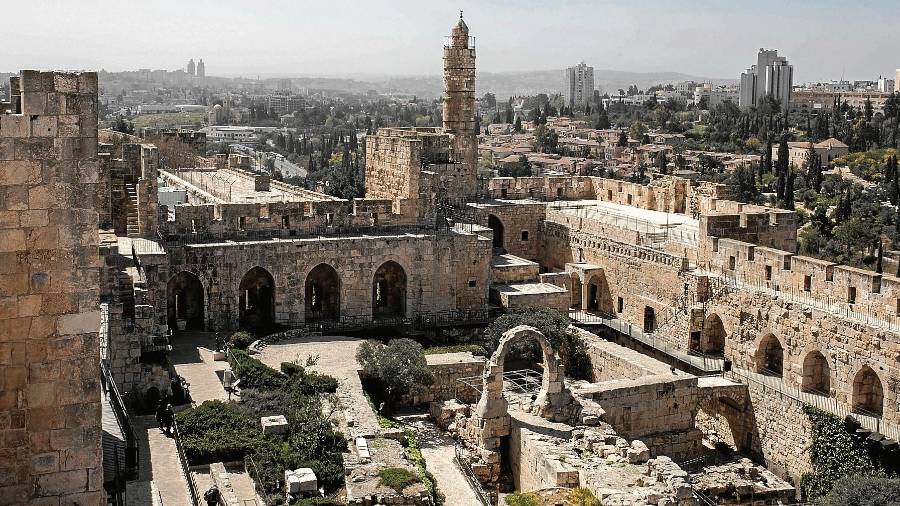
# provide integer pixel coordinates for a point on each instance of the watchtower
(459, 103)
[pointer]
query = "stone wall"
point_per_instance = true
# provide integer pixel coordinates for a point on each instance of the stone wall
(447, 369)
(521, 225)
(49, 293)
(610, 361)
(539, 461)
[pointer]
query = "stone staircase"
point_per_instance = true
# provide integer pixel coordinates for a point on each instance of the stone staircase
(133, 228)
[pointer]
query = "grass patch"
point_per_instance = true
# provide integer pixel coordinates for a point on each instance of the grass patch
(397, 478)
(414, 453)
(474, 349)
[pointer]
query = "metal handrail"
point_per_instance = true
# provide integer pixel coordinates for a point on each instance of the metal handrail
(185, 466)
(466, 468)
(121, 415)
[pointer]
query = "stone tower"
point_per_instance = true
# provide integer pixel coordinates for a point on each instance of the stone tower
(459, 105)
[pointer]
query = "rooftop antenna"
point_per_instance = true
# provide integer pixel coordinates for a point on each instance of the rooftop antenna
(460, 14)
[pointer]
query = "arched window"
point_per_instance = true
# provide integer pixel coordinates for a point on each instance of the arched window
(868, 392)
(770, 356)
(496, 226)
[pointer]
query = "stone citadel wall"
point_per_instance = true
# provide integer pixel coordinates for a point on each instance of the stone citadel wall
(49, 292)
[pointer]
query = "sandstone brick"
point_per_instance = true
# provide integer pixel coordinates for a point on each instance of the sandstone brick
(44, 463)
(62, 482)
(9, 219)
(29, 305)
(78, 323)
(34, 103)
(44, 126)
(15, 125)
(20, 172)
(34, 218)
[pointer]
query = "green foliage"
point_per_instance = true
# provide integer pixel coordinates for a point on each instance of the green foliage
(520, 499)
(546, 139)
(316, 501)
(553, 325)
(582, 497)
(414, 453)
(218, 432)
(835, 452)
(863, 490)
(742, 185)
(474, 349)
(241, 340)
(868, 165)
(394, 370)
(397, 478)
(253, 373)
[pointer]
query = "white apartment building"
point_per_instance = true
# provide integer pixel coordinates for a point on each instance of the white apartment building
(771, 76)
(579, 86)
(885, 85)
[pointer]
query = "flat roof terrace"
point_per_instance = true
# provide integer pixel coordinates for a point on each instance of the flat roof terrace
(229, 186)
(678, 227)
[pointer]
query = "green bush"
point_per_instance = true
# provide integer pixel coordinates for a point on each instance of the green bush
(857, 490)
(582, 497)
(520, 499)
(474, 349)
(393, 371)
(397, 478)
(253, 373)
(218, 432)
(241, 340)
(316, 501)
(835, 452)
(291, 369)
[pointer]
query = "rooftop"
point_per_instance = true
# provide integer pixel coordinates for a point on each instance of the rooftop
(229, 186)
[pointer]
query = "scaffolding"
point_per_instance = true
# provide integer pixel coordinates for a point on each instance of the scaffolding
(519, 386)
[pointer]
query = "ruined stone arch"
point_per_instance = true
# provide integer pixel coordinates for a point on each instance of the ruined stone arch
(185, 300)
(713, 335)
(389, 291)
(769, 358)
(322, 294)
(816, 373)
(256, 299)
(496, 225)
(868, 392)
(553, 394)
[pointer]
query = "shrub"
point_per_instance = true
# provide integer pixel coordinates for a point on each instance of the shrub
(394, 370)
(292, 369)
(218, 432)
(241, 340)
(253, 373)
(316, 501)
(397, 478)
(835, 452)
(860, 490)
(520, 499)
(582, 497)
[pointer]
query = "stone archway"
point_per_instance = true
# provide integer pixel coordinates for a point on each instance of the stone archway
(868, 392)
(256, 299)
(596, 295)
(389, 291)
(816, 374)
(184, 301)
(769, 358)
(553, 395)
(496, 226)
(322, 294)
(723, 419)
(712, 339)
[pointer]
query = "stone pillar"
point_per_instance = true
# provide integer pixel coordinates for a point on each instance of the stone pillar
(50, 428)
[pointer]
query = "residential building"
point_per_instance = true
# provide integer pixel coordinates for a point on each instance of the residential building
(885, 85)
(201, 68)
(191, 67)
(820, 99)
(579, 85)
(771, 76)
(828, 150)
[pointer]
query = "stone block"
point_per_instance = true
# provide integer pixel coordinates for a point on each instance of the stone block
(15, 125)
(301, 481)
(276, 424)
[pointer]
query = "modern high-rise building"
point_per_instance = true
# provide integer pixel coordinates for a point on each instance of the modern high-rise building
(191, 68)
(771, 76)
(897, 81)
(201, 68)
(579, 86)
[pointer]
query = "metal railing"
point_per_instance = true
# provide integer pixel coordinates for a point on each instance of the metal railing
(251, 470)
(185, 466)
(121, 415)
(463, 462)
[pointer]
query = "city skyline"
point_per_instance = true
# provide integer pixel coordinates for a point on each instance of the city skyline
(310, 40)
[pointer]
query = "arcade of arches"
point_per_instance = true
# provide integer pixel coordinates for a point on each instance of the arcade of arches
(257, 299)
(184, 295)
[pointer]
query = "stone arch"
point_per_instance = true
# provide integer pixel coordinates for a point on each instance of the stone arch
(719, 418)
(769, 358)
(185, 301)
(575, 290)
(596, 295)
(256, 299)
(496, 226)
(389, 291)
(713, 335)
(868, 392)
(322, 294)
(816, 374)
(553, 393)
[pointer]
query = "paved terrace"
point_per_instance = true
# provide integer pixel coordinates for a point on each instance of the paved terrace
(228, 186)
(664, 225)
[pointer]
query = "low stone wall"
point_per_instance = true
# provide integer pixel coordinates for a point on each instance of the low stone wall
(447, 369)
(610, 361)
(538, 461)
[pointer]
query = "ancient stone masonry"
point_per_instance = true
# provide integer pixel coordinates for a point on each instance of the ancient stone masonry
(49, 292)
(459, 105)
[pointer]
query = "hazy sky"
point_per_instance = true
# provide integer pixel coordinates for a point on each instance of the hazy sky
(823, 39)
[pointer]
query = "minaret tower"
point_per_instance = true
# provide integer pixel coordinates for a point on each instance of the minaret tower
(459, 104)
